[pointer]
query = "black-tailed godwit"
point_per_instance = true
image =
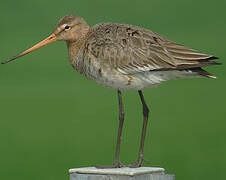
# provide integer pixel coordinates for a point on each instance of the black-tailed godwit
(125, 57)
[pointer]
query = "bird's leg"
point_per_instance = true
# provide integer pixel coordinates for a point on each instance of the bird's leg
(121, 121)
(117, 163)
(145, 121)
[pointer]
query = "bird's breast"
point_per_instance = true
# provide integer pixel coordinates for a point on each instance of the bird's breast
(110, 77)
(105, 74)
(101, 73)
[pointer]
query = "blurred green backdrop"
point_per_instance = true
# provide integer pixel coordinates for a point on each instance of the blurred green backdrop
(53, 119)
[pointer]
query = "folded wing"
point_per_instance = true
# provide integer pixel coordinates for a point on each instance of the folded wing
(131, 49)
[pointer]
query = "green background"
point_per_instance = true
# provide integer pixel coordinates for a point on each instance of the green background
(53, 119)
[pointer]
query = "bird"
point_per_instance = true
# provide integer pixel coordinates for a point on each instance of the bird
(125, 57)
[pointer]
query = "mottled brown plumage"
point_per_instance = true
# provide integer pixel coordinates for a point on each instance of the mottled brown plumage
(130, 47)
(123, 57)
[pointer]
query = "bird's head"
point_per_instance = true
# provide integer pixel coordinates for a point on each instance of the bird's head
(70, 28)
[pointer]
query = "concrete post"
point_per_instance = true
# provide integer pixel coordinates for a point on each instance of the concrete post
(142, 173)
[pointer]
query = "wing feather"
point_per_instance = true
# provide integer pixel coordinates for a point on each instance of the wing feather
(131, 49)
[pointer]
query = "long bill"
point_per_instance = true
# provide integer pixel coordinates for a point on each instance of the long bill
(48, 40)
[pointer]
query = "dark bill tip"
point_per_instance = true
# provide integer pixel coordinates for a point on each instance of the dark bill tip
(10, 59)
(48, 40)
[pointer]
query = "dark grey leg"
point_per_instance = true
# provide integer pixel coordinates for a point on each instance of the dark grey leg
(145, 121)
(117, 163)
(121, 121)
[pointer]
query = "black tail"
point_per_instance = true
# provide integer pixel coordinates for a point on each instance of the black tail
(202, 72)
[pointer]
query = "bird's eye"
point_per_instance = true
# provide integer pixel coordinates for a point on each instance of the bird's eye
(67, 27)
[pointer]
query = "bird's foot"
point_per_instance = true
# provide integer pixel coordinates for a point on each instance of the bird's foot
(138, 163)
(116, 164)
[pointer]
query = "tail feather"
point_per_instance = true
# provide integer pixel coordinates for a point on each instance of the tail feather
(202, 72)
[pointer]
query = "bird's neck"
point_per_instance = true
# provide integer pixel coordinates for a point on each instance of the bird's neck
(75, 46)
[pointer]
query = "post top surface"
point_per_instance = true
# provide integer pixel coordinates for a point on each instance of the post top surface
(118, 171)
